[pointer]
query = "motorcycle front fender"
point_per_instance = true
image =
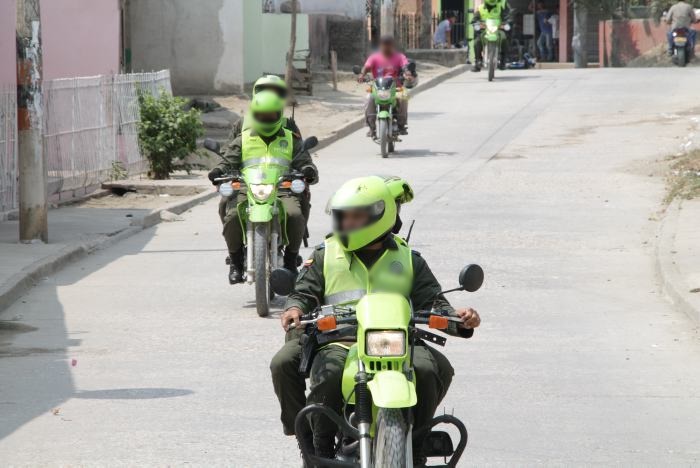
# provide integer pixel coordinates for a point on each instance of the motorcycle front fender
(391, 389)
(260, 213)
(383, 114)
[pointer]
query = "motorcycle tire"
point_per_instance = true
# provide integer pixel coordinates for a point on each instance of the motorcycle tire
(262, 269)
(492, 57)
(390, 440)
(681, 57)
(384, 137)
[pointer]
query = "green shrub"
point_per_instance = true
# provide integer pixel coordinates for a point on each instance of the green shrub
(167, 133)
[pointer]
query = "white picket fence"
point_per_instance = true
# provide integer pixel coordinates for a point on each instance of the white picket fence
(90, 125)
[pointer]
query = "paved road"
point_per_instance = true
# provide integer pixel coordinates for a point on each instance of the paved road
(142, 355)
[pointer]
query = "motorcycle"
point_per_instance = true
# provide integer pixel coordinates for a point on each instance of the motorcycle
(263, 216)
(492, 43)
(385, 91)
(682, 51)
(378, 384)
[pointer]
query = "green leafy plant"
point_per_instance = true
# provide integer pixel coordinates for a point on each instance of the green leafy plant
(684, 177)
(118, 171)
(167, 132)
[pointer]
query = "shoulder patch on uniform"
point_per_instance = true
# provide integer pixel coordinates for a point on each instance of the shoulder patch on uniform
(296, 134)
(415, 252)
(308, 263)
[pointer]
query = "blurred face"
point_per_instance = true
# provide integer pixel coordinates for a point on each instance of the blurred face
(266, 117)
(354, 219)
(387, 48)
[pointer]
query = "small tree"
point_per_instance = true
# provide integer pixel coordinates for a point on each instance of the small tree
(167, 132)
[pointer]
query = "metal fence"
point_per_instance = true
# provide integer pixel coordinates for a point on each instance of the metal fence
(8, 149)
(91, 126)
(409, 28)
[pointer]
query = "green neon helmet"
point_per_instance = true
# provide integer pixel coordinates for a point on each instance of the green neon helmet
(370, 194)
(491, 3)
(271, 83)
(399, 188)
(266, 110)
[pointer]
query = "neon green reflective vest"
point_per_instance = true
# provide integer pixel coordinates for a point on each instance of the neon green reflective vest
(493, 13)
(255, 151)
(347, 279)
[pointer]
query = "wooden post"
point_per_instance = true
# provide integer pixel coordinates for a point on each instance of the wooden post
(33, 198)
(289, 75)
(334, 69)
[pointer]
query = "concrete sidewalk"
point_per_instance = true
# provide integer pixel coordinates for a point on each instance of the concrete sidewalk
(95, 223)
(678, 256)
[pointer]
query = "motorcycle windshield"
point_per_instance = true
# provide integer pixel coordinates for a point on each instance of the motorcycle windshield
(384, 83)
(263, 174)
(492, 24)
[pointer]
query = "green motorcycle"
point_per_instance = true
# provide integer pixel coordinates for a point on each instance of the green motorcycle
(262, 215)
(385, 92)
(378, 383)
(492, 42)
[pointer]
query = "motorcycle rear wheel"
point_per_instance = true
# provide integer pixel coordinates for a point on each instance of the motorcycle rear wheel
(262, 269)
(390, 439)
(681, 57)
(384, 137)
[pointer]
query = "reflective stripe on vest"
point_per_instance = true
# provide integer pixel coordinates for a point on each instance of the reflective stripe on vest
(255, 151)
(347, 279)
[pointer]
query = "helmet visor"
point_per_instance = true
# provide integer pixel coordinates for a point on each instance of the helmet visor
(353, 219)
(278, 90)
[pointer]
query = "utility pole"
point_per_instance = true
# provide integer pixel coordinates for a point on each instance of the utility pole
(387, 17)
(289, 74)
(579, 44)
(426, 23)
(33, 215)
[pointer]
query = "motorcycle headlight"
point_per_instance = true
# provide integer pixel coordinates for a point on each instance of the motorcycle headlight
(385, 343)
(384, 94)
(261, 191)
(226, 189)
(298, 186)
(506, 27)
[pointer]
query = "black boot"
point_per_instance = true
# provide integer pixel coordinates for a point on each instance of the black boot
(477, 66)
(235, 272)
(290, 261)
(403, 130)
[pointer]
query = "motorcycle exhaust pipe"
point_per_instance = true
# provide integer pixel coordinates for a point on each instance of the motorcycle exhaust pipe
(250, 261)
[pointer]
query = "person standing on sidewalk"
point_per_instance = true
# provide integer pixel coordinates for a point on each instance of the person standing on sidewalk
(544, 41)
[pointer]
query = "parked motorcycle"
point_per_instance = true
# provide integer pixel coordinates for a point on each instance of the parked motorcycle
(263, 216)
(682, 50)
(378, 382)
(492, 42)
(385, 91)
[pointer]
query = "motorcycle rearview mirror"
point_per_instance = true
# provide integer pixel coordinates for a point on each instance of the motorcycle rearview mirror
(471, 277)
(356, 69)
(282, 281)
(212, 145)
(309, 143)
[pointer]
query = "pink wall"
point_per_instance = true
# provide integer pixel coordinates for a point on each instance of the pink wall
(8, 69)
(632, 38)
(80, 37)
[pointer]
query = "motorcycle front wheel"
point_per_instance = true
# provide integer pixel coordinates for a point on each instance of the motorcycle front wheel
(390, 439)
(492, 57)
(384, 137)
(262, 269)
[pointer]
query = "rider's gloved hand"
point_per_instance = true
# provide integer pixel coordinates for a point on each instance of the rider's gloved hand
(215, 174)
(291, 315)
(470, 318)
(361, 79)
(310, 174)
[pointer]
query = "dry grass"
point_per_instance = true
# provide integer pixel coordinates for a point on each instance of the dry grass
(684, 176)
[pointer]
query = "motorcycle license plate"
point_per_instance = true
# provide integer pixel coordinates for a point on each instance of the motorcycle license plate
(680, 41)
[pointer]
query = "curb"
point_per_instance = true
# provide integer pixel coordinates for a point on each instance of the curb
(668, 274)
(354, 125)
(21, 282)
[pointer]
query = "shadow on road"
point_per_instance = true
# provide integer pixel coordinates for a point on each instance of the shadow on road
(35, 349)
(419, 153)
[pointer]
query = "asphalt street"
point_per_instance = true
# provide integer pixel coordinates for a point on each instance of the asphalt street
(142, 354)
